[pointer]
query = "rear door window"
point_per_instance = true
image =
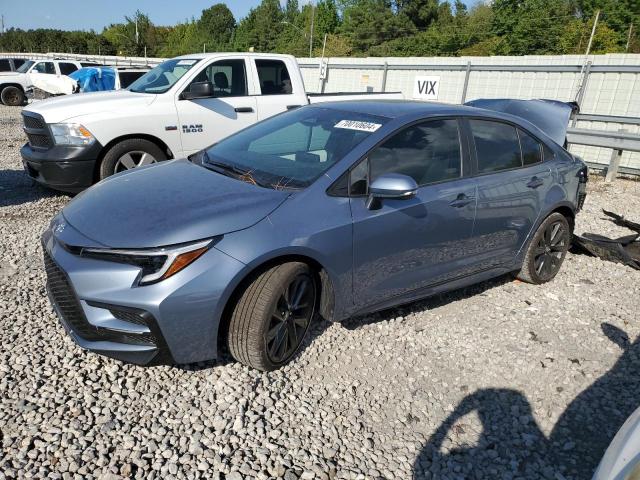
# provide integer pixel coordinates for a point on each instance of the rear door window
(5, 65)
(497, 146)
(67, 68)
(274, 77)
(45, 67)
(531, 148)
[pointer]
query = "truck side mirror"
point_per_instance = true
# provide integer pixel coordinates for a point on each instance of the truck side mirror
(198, 90)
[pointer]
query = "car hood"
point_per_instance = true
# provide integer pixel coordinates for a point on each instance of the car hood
(9, 74)
(63, 108)
(166, 204)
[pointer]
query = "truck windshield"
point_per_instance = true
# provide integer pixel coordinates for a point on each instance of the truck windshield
(291, 150)
(163, 77)
(25, 66)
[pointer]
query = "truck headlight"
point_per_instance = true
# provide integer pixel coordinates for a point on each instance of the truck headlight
(71, 134)
(155, 264)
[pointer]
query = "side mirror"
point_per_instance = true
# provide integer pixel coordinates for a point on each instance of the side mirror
(391, 185)
(198, 90)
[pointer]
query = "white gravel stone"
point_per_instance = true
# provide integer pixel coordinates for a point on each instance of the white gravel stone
(501, 380)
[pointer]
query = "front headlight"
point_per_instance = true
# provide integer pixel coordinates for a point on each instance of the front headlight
(155, 264)
(71, 134)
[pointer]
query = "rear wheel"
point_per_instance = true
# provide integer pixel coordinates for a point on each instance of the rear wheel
(546, 250)
(12, 96)
(129, 154)
(271, 318)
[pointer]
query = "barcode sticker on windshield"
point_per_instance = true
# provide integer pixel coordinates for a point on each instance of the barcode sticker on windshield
(357, 125)
(186, 62)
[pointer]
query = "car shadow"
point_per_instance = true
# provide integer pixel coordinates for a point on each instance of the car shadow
(429, 303)
(17, 188)
(511, 444)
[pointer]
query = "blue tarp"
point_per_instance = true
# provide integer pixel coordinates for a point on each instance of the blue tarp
(95, 79)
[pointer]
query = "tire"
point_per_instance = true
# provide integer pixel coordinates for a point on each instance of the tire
(265, 331)
(12, 96)
(128, 154)
(547, 250)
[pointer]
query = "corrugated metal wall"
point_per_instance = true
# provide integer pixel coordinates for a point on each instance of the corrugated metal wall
(606, 93)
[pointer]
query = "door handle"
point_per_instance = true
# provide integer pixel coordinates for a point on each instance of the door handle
(293, 107)
(462, 201)
(243, 109)
(535, 182)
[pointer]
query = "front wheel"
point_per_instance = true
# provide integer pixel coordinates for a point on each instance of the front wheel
(129, 154)
(12, 96)
(547, 250)
(271, 318)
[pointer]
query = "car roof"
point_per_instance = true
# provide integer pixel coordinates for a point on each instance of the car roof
(410, 110)
(201, 56)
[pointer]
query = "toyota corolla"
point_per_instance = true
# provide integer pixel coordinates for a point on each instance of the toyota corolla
(333, 211)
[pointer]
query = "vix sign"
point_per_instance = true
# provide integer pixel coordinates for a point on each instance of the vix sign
(426, 88)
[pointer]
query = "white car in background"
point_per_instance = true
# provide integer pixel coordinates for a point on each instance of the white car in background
(14, 85)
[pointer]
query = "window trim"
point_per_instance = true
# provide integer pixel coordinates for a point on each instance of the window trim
(465, 160)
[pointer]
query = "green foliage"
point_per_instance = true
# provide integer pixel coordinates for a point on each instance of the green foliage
(362, 27)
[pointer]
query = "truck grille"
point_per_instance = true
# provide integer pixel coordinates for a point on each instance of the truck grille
(37, 131)
(37, 140)
(64, 298)
(32, 122)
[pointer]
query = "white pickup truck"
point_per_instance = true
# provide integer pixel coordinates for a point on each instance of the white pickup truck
(13, 85)
(178, 108)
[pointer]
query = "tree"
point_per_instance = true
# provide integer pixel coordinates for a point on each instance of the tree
(369, 23)
(217, 25)
(261, 27)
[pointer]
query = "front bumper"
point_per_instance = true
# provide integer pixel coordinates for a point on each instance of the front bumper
(69, 169)
(102, 309)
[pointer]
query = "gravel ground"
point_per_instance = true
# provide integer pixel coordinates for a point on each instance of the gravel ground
(502, 380)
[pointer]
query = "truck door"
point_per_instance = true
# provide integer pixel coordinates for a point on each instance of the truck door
(278, 92)
(205, 121)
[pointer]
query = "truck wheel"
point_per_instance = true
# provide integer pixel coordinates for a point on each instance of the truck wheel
(272, 317)
(12, 96)
(128, 154)
(547, 250)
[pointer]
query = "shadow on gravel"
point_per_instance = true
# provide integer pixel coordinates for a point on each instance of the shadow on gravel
(511, 443)
(428, 303)
(16, 188)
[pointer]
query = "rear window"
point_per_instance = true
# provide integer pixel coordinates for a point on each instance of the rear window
(497, 146)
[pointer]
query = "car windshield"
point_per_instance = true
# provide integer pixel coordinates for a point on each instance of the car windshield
(290, 151)
(163, 77)
(25, 66)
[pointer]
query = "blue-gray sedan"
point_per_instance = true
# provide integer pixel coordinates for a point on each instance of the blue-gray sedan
(332, 210)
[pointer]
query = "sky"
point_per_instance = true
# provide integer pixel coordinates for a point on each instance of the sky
(96, 14)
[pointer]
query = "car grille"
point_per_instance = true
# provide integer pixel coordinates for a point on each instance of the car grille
(64, 298)
(37, 140)
(69, 307)
(32, 122)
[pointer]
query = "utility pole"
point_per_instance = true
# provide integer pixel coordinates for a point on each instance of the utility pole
(313, 14)
(629, 37)
(593, 32)
(137, 35)
(2, 26)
